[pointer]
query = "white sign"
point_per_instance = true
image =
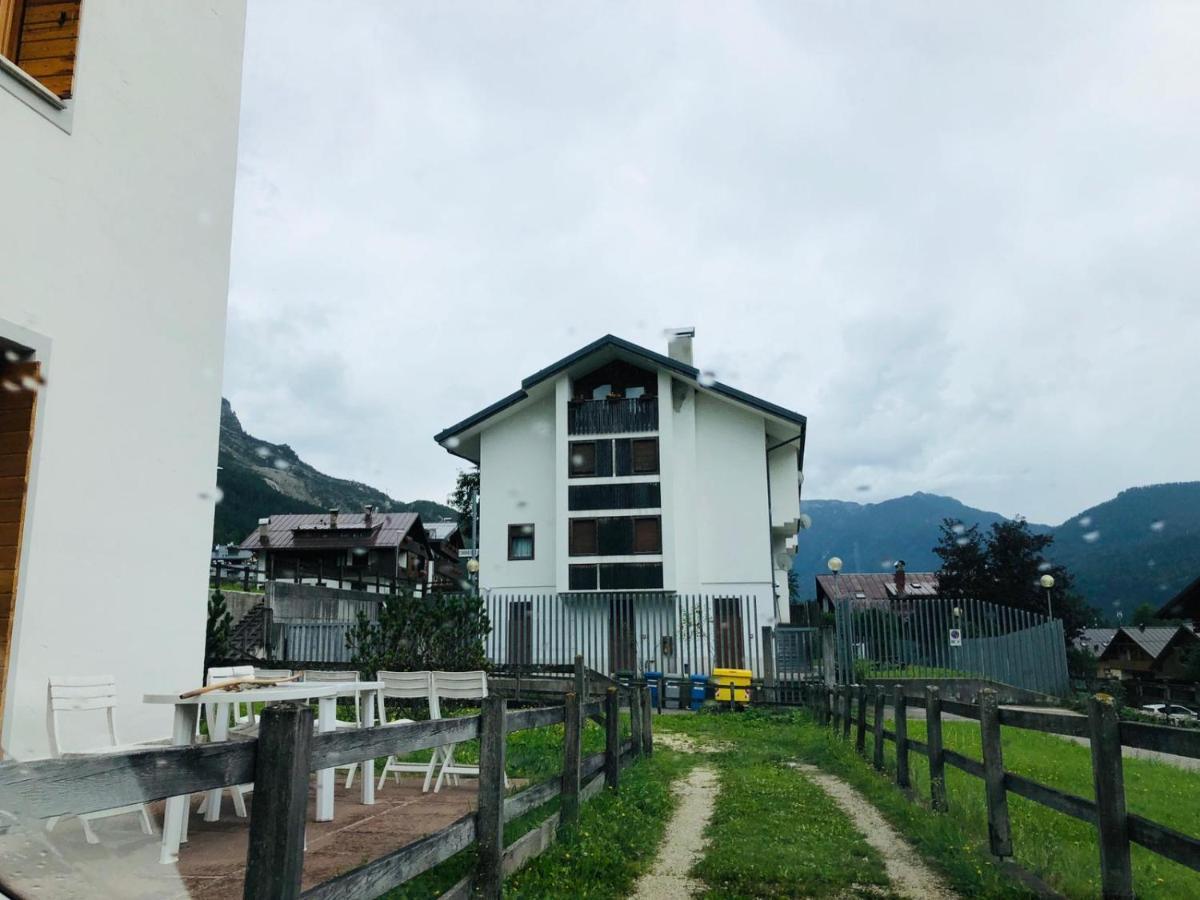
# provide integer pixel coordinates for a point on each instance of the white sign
(955, 637)
(468, 553)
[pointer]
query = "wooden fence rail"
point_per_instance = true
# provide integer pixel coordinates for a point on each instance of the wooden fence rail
(287, 751)
(1116, 827)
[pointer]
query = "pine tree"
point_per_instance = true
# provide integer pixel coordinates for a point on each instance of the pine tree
(964, 561)
(466, 487)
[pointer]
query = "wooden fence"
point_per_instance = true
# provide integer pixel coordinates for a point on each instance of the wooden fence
(287, 751)
(1116, 827)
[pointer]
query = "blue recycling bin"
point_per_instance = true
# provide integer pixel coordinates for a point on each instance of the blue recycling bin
(699, 689)
(654, 679)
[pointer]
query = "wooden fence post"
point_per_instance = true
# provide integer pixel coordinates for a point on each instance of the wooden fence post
(489, 817)
(647, 721)
(275, 856)
(827, 706)
(860, 737)
(581, 688)
(612, 738)
(768, 660)
(635, 719)
(847, 710)
(937, 757)
(572, 760)
(999, 828)
(877, 750)
(1116, 876)
(900, 702)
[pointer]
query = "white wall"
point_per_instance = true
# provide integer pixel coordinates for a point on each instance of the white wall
(517, 485)
(115, 247)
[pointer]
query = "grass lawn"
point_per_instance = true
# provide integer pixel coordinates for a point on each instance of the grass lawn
(1058, 848)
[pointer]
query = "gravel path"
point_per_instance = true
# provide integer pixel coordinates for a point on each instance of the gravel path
(909, 875)
(684, 842)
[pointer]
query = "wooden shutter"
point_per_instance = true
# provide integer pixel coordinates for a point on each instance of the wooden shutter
(645, 456)
(17, 403)
(49, 32)
(583, 537)
(647, 535)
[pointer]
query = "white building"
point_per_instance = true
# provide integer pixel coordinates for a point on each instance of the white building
(620, 471)
(119, 126)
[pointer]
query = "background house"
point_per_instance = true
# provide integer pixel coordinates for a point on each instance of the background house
(119, 130)
(874, 589)
(448, 570)
(372, 551)
(618, 470)
(1094, 640)
(1151, 652)
(1184, 605)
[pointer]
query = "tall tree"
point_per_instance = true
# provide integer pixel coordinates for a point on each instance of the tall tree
(466, 487)
(964, 560)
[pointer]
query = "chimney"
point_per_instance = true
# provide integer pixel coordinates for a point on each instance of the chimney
(263, 526)
(679, 344)
(333, 513)
(900, 576)
(368, 512)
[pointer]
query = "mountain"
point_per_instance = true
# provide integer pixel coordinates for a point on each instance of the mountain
(1142, 546)
(258, 479)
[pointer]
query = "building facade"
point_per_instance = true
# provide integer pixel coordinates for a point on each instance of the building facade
(620, 471)
(121, 120)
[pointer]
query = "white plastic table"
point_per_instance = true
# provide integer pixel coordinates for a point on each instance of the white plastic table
(324, 692)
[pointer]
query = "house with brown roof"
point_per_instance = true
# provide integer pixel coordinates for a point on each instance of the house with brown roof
(1184, 605)
(875, 589)
(1148, 652)
(372, 551)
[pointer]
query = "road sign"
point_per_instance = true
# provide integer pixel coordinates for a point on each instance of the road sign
(468, 553)
(955, 637)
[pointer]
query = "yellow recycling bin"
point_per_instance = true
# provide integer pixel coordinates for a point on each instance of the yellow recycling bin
(737, 680)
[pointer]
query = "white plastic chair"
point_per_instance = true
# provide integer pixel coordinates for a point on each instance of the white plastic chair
(237, 719)
(458, 686)
(81, 694)
(407, 686)
(341, 677)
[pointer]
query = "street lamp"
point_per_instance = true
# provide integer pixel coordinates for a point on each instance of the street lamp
(1047, 581)
(473, 571)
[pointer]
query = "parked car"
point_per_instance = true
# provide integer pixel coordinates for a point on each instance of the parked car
(1173, 712)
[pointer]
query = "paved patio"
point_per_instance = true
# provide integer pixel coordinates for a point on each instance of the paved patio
(211, 864)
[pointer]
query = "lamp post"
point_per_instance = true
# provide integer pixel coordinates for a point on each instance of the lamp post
(473, 571)
(835, 566)
(1047, 582)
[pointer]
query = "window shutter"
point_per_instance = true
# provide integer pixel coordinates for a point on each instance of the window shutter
(49, 33)
(647, 535)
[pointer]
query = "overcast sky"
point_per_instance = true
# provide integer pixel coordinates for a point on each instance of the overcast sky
(962, 238)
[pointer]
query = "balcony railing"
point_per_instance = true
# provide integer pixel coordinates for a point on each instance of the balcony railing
(623, 416)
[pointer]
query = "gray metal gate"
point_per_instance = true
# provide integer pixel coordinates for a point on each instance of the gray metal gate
(936, 638)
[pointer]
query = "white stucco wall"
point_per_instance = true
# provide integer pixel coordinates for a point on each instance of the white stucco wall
(115, 246)
(517, 485)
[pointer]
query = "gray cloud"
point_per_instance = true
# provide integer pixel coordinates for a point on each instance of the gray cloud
(960, 238)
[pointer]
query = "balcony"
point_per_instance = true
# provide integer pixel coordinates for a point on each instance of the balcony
(615, 416)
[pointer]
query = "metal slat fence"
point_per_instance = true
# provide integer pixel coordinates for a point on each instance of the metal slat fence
(941, 638)
(680, 634)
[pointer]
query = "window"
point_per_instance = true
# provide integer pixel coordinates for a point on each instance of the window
(583, 458)
(581, 578)
(40, 37)
(645, 456)
(614, 496)
(647, 535)
(520, 541)
(584, 540)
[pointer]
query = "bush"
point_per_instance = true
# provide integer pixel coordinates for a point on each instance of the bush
(434, 631)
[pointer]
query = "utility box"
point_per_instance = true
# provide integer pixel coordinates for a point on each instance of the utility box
(735, 680)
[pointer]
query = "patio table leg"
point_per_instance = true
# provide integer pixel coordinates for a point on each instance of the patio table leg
(220, 732)
(175, 818)
(366, 718)
(327, 713)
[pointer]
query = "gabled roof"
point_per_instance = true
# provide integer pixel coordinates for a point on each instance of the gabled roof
(1153, 640)
(300, 531)
(875, 588)
(1092, 638)
(1184, 605)
(440, 531)
(611, 342)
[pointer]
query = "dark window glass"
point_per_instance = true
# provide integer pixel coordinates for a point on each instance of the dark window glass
(581, 578)
(630, 576)
(614, 496)
(624, 457)
(645, 456)
(647, 535)
(583, 537)
(583, 458)
(520, 541)
(616, 536)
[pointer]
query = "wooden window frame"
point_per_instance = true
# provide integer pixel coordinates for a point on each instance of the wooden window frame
(12, 14)
(657, 520)
(571, 544)
(571, 448)
(633, 466)
(520, 532)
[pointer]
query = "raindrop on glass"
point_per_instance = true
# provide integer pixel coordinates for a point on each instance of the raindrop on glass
(1085, 521)
(526, 529)
(1092, 536)
(1158, 525)
(452, 443)
(959, 528)
(29, 383)
(805, 521)
(12, 355)
(1044, 566)
(577, 459)
(863, 488)
(1151, 563)
(262, 452)
(282, 464)
(963, 541)
(11, 386)
(707, 378)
